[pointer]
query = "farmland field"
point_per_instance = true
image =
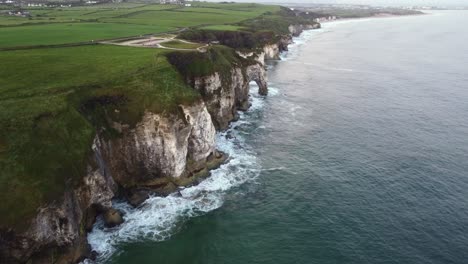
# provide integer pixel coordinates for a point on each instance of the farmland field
(175, 18)
(47, 26)
(59, 33)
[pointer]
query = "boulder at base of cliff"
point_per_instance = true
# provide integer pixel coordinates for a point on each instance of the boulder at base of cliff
(112, 217)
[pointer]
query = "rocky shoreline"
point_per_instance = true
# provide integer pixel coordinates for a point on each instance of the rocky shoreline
(155, 157)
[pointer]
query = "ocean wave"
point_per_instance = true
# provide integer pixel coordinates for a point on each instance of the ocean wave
(299, 41)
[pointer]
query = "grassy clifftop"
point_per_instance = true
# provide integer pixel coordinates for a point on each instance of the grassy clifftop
(52, 100)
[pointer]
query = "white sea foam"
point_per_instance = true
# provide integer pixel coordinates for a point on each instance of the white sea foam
(334, 23)
(160, 217)
(272, 91)
(307, 35)
(298, 42)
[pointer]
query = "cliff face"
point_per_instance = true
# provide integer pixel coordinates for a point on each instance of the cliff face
(271, 52)
(268, 52)
(160, 153)
(284, 42)
(296, 30)
(58, 232)
(224, 94)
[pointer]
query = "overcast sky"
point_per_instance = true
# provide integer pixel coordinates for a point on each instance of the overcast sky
(371, 2)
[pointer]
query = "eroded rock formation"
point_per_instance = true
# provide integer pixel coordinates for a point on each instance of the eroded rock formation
(296, 30)
(224, 95)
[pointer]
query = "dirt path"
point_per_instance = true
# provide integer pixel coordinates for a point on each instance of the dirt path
(155, 42)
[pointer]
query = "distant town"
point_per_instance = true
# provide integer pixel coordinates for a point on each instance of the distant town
(19, 8)
(65, 4)
(324, 7)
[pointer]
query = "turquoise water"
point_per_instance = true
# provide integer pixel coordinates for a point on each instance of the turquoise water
(358, 155)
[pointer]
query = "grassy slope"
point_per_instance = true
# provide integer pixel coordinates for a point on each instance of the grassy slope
(223, 27)
(45, 138)
(180, 45)
(60, 33)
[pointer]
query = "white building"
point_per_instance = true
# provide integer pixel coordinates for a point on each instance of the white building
(35, 5)
(172, 2)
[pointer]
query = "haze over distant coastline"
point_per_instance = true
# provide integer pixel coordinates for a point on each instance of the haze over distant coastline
(372, 2)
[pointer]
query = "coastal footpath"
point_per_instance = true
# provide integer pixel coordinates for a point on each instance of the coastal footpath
(155, 151)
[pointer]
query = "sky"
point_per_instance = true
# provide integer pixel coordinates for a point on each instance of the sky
(372, 2)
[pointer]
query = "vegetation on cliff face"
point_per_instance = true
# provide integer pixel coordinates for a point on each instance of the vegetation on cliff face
(51, 102)
(279, 21)
(218, 58)
(233, 39)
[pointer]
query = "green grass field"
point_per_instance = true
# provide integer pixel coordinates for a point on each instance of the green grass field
(61, 33)
(180, 45)
(49, 26)
(223, 27)
(173, 18)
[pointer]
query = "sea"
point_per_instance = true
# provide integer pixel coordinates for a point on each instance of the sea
(359, 154)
